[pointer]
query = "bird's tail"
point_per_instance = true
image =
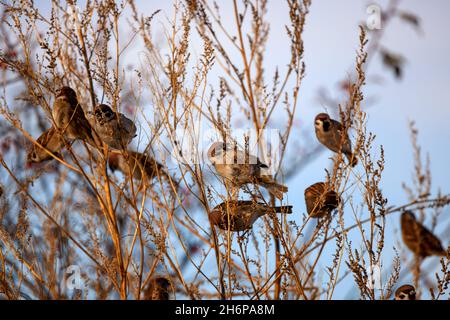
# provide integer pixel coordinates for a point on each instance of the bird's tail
(283, 209)
(273, 187)
(352, 159)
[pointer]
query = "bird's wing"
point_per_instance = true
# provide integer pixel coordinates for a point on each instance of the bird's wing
(338, 125)
(240, 157)
(82, 123)
(429, 242)
(128, 125)
(50, 140)
(346, 146)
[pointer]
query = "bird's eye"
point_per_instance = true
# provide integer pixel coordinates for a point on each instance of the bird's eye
(402, 296)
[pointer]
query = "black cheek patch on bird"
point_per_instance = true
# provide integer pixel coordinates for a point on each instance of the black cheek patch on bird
(109, 115)
(107, 112)
(326, 125)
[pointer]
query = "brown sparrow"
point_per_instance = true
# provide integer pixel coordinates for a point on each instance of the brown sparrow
(405, 292)
(394, 62)
(69, 116)
(418, 238)
(136, 164)
(158, 289)
(240, 168)
(242, 214)
(329, 132)
(113, 128)
(51, 141)
(320, 200)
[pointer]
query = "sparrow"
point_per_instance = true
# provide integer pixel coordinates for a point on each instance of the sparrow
(113, 128)
(412, 19)
(138, 165)
(393, 62)
(405, 292)
(69, 116)
(240, 168)
(242, 214)
(329, 132)
(158, 289)
(51, 141)
(419, 239)
(320, 200)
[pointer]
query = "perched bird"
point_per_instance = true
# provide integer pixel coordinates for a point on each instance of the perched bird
(113, 128)
(332, 135)
(158, 289)
(393, 62)
(241, 215)
(138, 165)
(69, 116)
(239, 168)
(412, 19)
(405, 292)
(51, 141)
(320, 200)
(419, 239)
